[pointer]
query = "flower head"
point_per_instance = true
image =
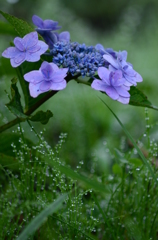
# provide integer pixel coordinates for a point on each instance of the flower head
(48, 77)
(46, 25)
(28, 48)
(78, 58)
(119, 63)
(45, 28)
(112, 83)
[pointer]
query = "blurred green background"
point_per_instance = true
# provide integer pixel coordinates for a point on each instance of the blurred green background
(121, 25)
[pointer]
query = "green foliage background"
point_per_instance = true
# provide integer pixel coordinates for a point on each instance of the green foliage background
(35, 174)
(77, 109)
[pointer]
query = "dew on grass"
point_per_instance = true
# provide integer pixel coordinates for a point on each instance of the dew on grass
(138, 169)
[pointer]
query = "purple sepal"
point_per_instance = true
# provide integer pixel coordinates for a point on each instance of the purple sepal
(112, 83)
(28, 48)
(48, 77)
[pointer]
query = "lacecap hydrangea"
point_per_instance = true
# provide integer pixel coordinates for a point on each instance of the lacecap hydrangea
(108, 70)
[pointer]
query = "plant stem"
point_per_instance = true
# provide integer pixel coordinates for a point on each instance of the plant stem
(40, 102)
(11, 124)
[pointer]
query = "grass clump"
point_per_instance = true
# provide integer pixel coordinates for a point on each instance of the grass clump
(127, 209)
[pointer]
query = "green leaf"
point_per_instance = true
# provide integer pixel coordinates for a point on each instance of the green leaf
(9, 162)
(144, 160)
(15, 103)
(6, 28)
(135, 161)
(41, 116)
(117, 169)
(20, 26)
(42, 217)
(138, 98)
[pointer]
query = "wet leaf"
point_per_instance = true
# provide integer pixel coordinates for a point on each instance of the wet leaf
(15, 103)
(138, 98)
(117, 169)
(42, 117)
(20, 26)
(42, 217)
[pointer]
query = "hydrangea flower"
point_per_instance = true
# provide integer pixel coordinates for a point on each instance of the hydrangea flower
(112, 83)
(48, 77)
(28, 48)
(119, 63)
(78, 58)
(46, 25)
(45, 28)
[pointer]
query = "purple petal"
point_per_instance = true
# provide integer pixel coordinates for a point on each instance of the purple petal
(118, 82)
(50, 25)
(122, 55)
(10, 52)
(47, 70)
(131, 80)
(55, 67)
(99, 47)
(19, 59)
(127, 88)
(34, 49)
(117, 79)
(35, 56)
(37, 21)
(129, 71)
(32, 57)
(112, 93)
(58, 85)
(99, 85)
(138, 77)
(44, 47)
(34, 89)
(104, 74)
(111, 60)
(34, 76)
(45, 86)
(44, 65)
(19, 43)
(59, 75)
(122, 92)
(123, 100)
(127, 84)
(111, 68)
(30, 40)
(64, 36)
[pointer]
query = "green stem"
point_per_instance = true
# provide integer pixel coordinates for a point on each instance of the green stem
(40, 102)
(11, 124)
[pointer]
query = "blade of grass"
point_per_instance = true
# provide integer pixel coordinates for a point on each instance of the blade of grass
(41, 217)
(76, 176)
(104, 216)
(144, 160)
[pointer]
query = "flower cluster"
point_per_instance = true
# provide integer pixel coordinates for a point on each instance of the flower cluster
(115, 73)
(78, 58)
